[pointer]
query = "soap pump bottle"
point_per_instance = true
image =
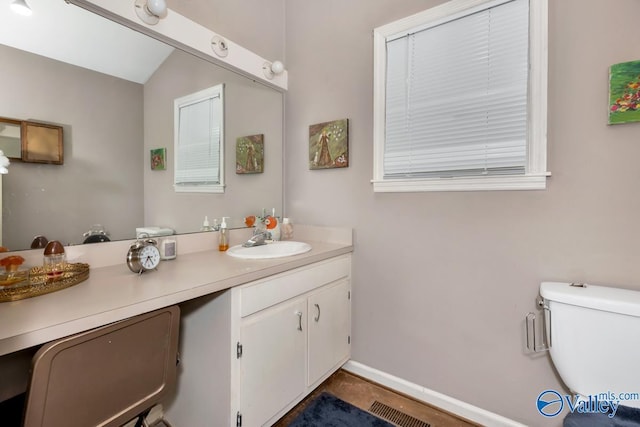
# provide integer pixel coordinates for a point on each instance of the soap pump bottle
(205, 225)
(223, 243)
(275, 231)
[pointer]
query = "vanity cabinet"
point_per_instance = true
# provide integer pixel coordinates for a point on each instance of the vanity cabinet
(272, 364)
(294, 332)
(328, 324)
(269, 344)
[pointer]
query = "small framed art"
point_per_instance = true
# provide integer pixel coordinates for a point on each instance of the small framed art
(329, 145)
(158, 159)
(250, 154)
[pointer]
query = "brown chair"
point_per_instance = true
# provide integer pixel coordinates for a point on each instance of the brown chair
(106, 376)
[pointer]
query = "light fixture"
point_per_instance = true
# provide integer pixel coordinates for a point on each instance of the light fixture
(21, 7)
(219, 46)
(271, 69)
(150, 11)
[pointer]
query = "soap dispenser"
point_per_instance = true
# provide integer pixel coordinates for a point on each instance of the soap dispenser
(205, 225)
(275, 231)
(223, 243)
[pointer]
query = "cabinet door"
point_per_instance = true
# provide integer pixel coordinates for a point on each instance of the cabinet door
(329, 329)
(272, 365)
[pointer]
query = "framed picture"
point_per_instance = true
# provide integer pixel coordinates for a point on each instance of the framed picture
(624, 92)
(250, 154)
(41, 143)
(158, 159)
(329, 145)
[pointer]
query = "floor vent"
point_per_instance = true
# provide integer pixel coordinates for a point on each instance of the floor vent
(397, 417)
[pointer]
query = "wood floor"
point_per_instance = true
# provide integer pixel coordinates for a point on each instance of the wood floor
(363, 393)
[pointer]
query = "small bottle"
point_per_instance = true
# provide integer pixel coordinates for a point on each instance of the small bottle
(287, 229)
(275, 231)
(223, 244)
(55, 260)
(205, 225)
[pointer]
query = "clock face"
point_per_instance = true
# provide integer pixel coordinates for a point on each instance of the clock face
(149, 257)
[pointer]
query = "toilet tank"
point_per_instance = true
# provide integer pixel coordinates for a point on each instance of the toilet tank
(595, 337)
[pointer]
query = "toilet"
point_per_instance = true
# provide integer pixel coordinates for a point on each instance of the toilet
(593, 335)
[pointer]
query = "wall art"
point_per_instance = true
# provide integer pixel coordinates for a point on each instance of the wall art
(250, 154)
(624, 92)
(42, 143)
(158, 159)
(329, 145)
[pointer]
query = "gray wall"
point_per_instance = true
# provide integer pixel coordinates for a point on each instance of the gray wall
(101, 118)
(442, 281)
(257, 25)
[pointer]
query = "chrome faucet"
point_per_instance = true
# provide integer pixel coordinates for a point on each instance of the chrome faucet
(259, 238)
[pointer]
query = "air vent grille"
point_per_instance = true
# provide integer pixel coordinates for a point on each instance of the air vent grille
(395, 416)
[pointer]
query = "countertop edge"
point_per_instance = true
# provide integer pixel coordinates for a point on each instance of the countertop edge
(36, 336)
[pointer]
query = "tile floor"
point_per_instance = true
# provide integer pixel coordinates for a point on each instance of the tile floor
(362, 393)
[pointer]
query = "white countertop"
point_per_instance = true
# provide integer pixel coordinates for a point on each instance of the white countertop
(114, 293)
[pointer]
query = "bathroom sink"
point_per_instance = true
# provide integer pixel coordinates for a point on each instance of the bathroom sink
(278, 249)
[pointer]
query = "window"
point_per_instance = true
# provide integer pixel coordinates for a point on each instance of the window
(460, 98)
(198, 135)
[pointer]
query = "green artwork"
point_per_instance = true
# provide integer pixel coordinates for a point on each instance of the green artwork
(158, 159)
(250, 154)
(624, 92)
(329, 145)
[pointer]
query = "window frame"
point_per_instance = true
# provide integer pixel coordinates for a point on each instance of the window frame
(536, 173)
(214, 92)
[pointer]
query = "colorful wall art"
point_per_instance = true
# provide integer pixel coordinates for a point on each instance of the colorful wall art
(158, 159)
(624, 92)
(329, 145)
(250, 154)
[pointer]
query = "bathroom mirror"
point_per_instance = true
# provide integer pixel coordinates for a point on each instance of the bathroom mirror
(114, 113)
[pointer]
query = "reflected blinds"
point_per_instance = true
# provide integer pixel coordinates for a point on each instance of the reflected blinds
(198, 156)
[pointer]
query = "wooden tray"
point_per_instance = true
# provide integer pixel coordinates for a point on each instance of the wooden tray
(39, 283)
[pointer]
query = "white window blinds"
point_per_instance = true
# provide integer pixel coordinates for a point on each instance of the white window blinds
(456, 96)
(199, 141)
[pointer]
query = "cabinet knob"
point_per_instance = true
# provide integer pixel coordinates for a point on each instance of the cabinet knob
(317, 318)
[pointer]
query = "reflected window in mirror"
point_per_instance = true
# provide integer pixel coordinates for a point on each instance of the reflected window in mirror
(10, 142)
(199, 132)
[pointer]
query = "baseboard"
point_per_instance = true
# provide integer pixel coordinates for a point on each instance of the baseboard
(447, 403)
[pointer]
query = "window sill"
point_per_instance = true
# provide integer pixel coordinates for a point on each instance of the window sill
(484, 183)
(198, 188)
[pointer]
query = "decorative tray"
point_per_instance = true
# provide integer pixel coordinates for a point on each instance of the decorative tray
(39, 283)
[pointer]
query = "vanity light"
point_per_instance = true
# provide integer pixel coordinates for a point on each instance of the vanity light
(150, 11)
(219, 46)
(271, 69)
(21, 7)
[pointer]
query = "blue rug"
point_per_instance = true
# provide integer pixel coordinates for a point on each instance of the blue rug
(625, 416)
(327, 410)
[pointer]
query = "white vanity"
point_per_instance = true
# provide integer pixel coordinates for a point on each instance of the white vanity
(256, 336)
(269, 343)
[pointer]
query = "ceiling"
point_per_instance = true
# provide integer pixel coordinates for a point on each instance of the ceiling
(70, 34)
